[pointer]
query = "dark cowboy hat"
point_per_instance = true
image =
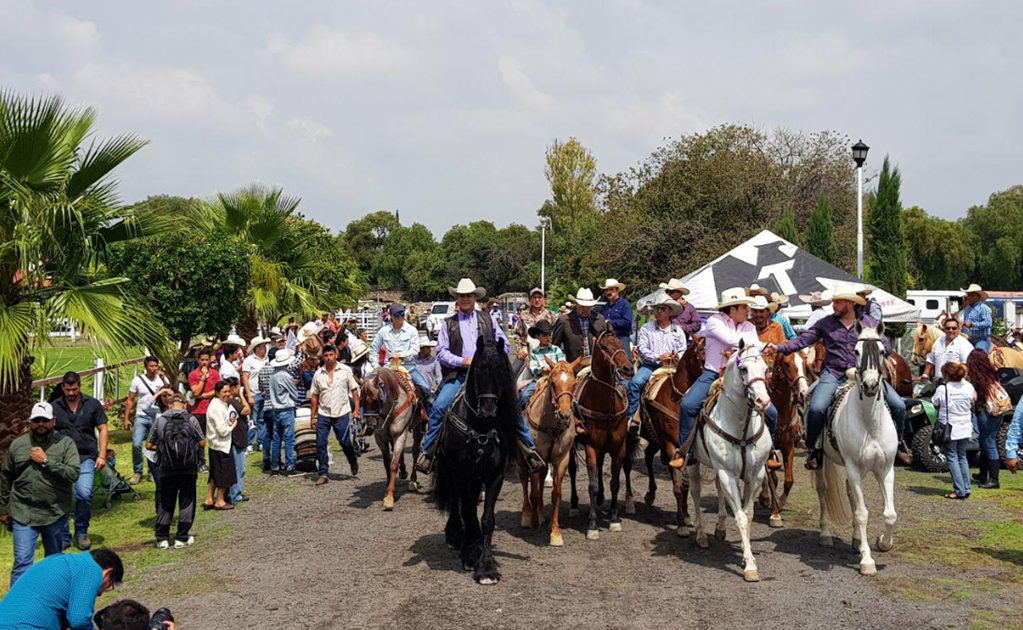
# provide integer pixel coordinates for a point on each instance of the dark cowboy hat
(542, 327)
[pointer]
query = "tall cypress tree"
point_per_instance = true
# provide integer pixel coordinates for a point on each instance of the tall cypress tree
(820, 234)
(887, 266)
(786, 227)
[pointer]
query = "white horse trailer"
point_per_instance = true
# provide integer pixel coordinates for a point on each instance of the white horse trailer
(933, 303)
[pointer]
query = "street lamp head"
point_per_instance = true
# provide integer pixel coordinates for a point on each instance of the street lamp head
(859, 151)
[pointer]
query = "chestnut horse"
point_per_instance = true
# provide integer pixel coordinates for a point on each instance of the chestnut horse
(601, 402)
(660, 426)
(392, 406)
(788, 387)
(553, 426)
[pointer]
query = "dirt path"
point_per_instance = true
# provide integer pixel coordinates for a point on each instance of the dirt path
(305, 557)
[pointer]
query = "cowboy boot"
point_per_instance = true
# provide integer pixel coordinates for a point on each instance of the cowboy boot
(982, 467)
(634, 423)
(425, 463)
(993, 467)
(534, 463)
(774, 461)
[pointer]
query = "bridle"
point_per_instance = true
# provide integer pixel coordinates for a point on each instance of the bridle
(870, 358)
(599, 345)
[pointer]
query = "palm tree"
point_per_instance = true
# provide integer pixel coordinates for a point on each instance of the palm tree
(58, 213)
(282, 263)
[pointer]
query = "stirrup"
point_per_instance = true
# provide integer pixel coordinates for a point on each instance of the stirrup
(816, 456)
(425, 464)
(678, 462)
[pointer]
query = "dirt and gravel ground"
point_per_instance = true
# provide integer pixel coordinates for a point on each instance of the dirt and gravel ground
(303, 557)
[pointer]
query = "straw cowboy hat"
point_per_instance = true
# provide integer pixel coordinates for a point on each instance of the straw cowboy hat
(465, 287)
(233, 340)
(817, 298)
(310, 329)
(760, 303)
(674, 285)
(756, 289)
(359, 350)
(583, 297)
(283, 357)
(779, 299)
(256, 342)
(975, 288)
(848, 292)
(734, 297)
(664, 300)
(611, 282)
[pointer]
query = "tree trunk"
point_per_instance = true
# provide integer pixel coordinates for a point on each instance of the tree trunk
(248, 328)
(15, 405)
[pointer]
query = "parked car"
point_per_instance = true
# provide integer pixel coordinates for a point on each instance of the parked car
(438, 312)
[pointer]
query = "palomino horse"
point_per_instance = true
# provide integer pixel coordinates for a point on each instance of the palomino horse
(733, 440)
(391, 406)
(1005, 356)
(552, 423)
(924, 336)
(660, 425)
(602, 403)
(789, 388)
(861, 439)
(476, 447)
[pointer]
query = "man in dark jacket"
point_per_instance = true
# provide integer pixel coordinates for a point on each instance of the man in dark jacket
(576, 331)
(618, 313)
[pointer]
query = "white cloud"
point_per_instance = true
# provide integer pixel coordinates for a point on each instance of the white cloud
(328, 53)
(521, 85)
(25, 20)
(310, 130)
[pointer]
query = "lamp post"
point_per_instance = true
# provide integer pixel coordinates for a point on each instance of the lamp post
(859, 151)
(543, 254)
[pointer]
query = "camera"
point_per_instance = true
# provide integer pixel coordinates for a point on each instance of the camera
(160, 616)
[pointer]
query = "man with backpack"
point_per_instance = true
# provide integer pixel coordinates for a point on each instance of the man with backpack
(178, 440)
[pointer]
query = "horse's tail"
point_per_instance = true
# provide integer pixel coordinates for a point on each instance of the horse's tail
(836, 498)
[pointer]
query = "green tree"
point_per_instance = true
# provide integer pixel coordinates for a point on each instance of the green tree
(498, 260)
(998, 227)
(365, 238)
(819, 238)
(940, 253)
(331, 266)
(59, 213)
(391, 265)
(571, 172)
(887, 266)
(786, 227)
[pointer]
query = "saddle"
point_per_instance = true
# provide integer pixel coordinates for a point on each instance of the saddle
(586, 414)
(840, 395)
(534, 408)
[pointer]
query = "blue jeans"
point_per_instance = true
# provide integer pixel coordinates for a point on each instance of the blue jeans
(637, 385)
(824, 394)
(627, 345)
(284, 430)
(420, 382)
(693, 401)
(83, 501)
(955, 452)
(257, 419)
(526, 394)
(235, 492)
(139, 431)
(267, 435)
(445, 397)
(324, 425)
(25, 537)
(982, 344)
(987, 427)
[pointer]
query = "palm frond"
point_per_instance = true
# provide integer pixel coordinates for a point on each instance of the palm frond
(20, 323)
(100, 159)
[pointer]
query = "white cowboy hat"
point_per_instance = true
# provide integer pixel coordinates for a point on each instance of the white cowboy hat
(665, 300)
(674, 285)
(359, 349)
(611, 282)
(733, 297)
(848, 292)
(427, 343)
(817, 298)
(233, 340)
(583, 297)
(310, 329)
(865, 291)
(283, 357)
(756, 289)
(760, 303)
(276, 330)
(975, 288)
(256, 342)
(465, 287)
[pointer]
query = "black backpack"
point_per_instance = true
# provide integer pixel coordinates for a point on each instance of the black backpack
(178, 449)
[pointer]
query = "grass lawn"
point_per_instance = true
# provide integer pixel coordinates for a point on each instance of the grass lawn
(55, 360)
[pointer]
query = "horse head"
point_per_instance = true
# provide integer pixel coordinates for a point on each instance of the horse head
(489, 378)
(753, 374)
(924, 337)
(373, 391)
(610, 351)
(792, 370)
(870, 355)
(561, 383)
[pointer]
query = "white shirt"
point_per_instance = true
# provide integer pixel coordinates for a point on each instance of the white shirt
(942, 352)
(144, 390)
(252, 365)
(332, 390)
(228, 369)
(959, 408)
(815, 316)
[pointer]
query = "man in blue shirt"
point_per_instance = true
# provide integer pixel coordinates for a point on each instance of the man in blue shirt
(60, 592)
(618, 313)
(977, 317)
(400, 340)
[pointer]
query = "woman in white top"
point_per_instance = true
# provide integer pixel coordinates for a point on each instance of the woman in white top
(220, 421)
(954, 400)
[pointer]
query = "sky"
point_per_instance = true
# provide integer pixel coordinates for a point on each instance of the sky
(442, 109)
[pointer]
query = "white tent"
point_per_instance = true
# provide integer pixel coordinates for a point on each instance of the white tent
(777, 265)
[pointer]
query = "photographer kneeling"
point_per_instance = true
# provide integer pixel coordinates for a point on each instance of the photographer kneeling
(128, 614)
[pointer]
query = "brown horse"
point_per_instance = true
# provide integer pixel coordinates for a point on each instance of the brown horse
(788, 388)
(391, 406)
(660, 425)
(602, 403)
(550, 417)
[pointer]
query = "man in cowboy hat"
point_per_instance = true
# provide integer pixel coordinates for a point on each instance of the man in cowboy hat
(231, 358)
(251, 366)
(723, 332)
(688, 320)
(660, 341)
(768, 331)
(838, 332)
(872, 308)
(284, 400)
(536, 313)
(400, 340)
(817, 301)
(779, 301)
(576, 330)
(456, 345)
(542, 332)
(618, 313)
(428, 366)
(977, 317)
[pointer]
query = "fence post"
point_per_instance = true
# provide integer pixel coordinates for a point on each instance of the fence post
(97, 380)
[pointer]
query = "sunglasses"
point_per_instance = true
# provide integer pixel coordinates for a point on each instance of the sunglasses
(399, 315)
(951, 327)
(660, 309)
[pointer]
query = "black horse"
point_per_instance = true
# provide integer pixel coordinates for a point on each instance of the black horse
(477, 445)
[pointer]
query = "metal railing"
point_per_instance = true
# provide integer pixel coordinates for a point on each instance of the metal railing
(99, 374)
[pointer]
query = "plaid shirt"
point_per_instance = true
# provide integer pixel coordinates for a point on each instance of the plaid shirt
(295, 367)
(528, 319)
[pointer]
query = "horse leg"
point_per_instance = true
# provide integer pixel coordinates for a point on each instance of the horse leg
(728, 486)
(402, 470)
(887, 483)
(681, 498)
(630, 503)
(396, 457)
(472, 541)
(616, 471)
(453, 531)
(592, 532)
(651, 493)
(384, 443)
(790, 461)
(600, 479)
(559, 475)
(821, 484)
(526, 516)
(536, 500)
(486, 567)
(859, 507)
(776, 520)
(573, 470)
(719, 530)
(417, 438)
(695, 489)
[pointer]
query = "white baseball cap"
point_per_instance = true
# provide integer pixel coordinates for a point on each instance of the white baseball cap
(41, 410)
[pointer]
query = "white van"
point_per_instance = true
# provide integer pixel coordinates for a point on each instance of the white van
(933, 303)
(438, 312)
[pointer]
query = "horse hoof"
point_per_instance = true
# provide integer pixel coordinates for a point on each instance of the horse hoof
(388, 504)
(682, 531)
(719, 534)
(630, 507)
(488, 581)
(775, 522)
(688, 521)
(703, 543)
(402, 474)
(868, 569)
(526, 521)
(648, 498)
(751, 575)
(764, 502)
(467, 567)
(883, 545)
(557, 540)
(615, 527)
(413, 486)
(826, 541)
(573, 512)
(592, 535)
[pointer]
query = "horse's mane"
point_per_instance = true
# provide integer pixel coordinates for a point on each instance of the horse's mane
(385, 379)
